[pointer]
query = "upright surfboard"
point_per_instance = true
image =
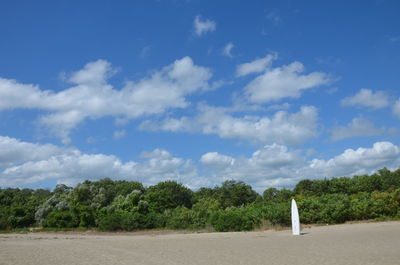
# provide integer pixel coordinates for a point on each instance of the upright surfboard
(295, 219)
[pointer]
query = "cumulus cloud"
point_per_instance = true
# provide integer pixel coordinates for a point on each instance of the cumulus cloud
(358, 127)
(282, 127)
(203, 26)
(93, 74)
(228, 50)
(271, 165)
(367, 98)
(92, 97)
(15, 95)
(281, 82)
(216, 160)
(356, 162)
(61, 123)
(14, 152)
(256, 66)
(274, 165)
(24, 163)
(396, 108)
(278, 166)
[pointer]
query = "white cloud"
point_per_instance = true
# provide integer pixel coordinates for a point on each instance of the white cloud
(93, 74)
(282, 127)
(23, 163)
(14, 152)
(256, 66)
(203, 26)
(396, 108)
(119, 134)
(272, 165)
(283, 82)
(367, 98)
(61, 123)
(277, 166)
(15, 95)
(228, 50)
(356, 128)
(216, 160)
(356, 162)
(26, 163)
(92, 97)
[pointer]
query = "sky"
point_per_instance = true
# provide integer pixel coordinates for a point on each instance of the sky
(265, 92)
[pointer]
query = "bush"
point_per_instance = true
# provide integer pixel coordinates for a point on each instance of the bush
(203, 210)
(131, 221)
(110, 222)
(4, 220)
(360, 206)
(21, 217)
(154, 220)
(180, 218)
(276, 213)
(335, 209)
(384, 204)
(60, 219)
(330, 208)
(121, 220)
(85, 215)
(234, 219)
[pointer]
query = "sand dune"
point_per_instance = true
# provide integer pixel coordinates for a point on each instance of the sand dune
(366, 243)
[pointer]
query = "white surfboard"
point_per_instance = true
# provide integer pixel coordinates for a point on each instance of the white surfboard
(295, 219)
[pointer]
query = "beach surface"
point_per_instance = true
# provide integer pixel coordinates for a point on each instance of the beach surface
(361, 243)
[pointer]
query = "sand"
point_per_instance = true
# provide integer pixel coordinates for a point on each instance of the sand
(365, 243)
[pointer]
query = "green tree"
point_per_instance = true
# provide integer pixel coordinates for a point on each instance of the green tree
(168, 195)
(235, 193)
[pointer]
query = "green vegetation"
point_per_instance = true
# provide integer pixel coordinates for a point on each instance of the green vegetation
(110, 205)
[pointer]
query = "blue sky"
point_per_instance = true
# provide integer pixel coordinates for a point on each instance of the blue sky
(268, 92)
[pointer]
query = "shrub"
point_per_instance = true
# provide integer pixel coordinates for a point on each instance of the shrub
(85, 215)
(154, 220)
(234, 219)
(384, 204)
(60, 219)
(276, 213)
(334, 208)
(121, 220)
(4, 220)
(330, 208)
(180, 218)
(110, 222)
(131, 221)
(203, 211)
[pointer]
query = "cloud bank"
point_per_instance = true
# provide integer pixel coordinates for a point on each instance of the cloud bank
(23, 163)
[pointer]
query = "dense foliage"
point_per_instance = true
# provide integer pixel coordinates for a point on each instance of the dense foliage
(234, 206)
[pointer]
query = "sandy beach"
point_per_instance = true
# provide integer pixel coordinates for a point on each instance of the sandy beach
(364, 243)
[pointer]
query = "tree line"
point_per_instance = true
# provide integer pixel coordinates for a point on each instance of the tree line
(113, 205)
